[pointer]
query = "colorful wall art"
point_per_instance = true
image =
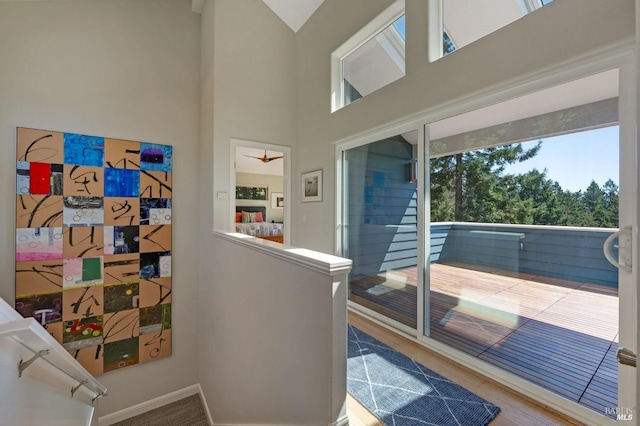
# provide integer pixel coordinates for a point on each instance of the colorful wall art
(93, 245)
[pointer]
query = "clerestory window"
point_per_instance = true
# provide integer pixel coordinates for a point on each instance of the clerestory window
(371, 59)
(457, 23)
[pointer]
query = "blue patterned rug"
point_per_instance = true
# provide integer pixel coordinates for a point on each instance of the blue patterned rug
(401, 392)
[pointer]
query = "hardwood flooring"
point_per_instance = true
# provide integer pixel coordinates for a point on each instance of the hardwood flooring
(516, 409)
(558, 334)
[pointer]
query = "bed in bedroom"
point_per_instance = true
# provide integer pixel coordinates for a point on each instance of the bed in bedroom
(252, 220)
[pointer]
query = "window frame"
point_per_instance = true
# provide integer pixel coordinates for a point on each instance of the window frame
(436, 27)
(366, 33)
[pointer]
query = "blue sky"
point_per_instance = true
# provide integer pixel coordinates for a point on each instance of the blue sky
(576, 159)
(400, 25)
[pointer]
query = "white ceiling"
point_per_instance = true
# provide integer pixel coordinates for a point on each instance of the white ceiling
(294, 12)
(246, 164)
(586, 90)
(469, 20)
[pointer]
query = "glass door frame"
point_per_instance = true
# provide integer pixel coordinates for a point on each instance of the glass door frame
(624, 60)
(342, 224)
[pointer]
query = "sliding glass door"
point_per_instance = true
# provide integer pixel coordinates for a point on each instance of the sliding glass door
(520, 210)
(380, 226)
(509, 267)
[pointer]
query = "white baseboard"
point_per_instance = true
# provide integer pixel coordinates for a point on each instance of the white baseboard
(154, 403)
(342, 421)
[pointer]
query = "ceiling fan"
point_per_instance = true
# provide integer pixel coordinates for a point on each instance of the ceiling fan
(266, 159)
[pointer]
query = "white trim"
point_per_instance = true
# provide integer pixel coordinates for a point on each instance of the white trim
(423, 320)
(628, 217)
(424, 253)
(435, 28)
(316, 261)
(369, 31)
(380, 319)
(366, 33)
(205, 404)
(601, 60)
(154, 403)
(342, 421)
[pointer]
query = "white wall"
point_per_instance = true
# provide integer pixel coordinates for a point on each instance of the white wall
(560, 31)
(123, 69)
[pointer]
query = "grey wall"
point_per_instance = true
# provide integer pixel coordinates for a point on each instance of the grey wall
(248, 92)
(254, 85)
(274, 348)
(552, 35)
(122, 69)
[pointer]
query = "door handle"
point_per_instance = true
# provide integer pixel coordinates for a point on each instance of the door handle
(626, 357)
(624, 241)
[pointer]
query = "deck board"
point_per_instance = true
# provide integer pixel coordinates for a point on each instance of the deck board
(527, 324)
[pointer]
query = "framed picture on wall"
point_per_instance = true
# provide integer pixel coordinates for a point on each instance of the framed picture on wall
(312, 186)
(277, 200)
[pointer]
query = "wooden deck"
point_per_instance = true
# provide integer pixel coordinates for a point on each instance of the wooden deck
(558, 334)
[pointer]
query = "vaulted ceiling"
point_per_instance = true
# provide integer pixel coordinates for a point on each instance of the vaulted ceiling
(294, 12)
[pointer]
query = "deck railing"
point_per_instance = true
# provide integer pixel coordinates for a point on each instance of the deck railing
(569, 253)
(564, 252)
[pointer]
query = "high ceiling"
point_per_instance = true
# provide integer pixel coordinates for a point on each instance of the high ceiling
(294, 12)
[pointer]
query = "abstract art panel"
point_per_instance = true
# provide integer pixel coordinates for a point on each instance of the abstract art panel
(93, 244)
(38, 244)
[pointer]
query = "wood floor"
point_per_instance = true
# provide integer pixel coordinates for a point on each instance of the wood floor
(558, 334)
(516, 409)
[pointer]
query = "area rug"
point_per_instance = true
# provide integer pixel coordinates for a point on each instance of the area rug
(402, 392)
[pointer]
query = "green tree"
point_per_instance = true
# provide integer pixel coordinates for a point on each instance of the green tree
(472, 187)
(469, 184)
(593, 201)
(611, 202)
(447, 44)
(542, 195)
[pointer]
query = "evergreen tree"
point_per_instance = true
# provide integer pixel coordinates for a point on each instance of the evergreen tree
(594, 205)
(471, 183)
(611, 201)
(472, 187)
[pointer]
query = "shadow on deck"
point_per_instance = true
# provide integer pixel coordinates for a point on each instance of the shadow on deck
(559, 334)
